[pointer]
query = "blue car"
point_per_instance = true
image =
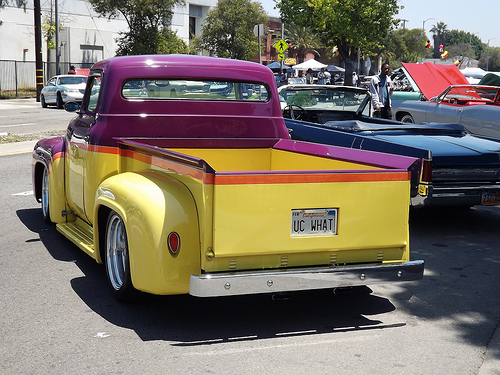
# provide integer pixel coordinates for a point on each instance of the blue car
(458, 169)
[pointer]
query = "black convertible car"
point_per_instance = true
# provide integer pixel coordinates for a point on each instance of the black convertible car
(459, 169)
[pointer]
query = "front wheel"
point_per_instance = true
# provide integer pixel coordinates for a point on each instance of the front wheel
(117, 258)
(43, 102)
(59, 101)
(407, 118)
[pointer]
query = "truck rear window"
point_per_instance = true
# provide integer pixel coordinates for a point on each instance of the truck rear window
(158, 89)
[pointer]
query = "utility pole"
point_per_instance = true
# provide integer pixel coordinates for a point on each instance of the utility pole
(488, 54)
(58, 68)
(38, 49)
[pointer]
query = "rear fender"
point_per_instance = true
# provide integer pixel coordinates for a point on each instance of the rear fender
(49, 153)
(152, 206)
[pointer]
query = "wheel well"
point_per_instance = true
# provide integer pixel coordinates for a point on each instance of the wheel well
(37, 181)
(102, 219)
(400, 115)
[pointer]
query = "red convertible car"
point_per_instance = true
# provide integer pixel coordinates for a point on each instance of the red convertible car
(476, 107)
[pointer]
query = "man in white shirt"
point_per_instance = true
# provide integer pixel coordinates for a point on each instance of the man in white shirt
(381, 89)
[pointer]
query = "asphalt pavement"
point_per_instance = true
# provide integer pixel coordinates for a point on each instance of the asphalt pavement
(491, 364)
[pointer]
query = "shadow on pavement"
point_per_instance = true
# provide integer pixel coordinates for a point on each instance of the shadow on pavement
(188, 320)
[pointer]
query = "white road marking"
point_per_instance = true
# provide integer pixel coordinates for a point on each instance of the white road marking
(24, 193)
(10, 126)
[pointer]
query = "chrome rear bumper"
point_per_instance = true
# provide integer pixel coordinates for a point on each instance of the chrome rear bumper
(288, 280)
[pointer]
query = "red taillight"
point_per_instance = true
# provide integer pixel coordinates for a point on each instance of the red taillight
(174, 243)
(426, 175)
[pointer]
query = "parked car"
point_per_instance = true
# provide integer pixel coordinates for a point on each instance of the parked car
(425, 80)
(447, 96)
(62, 89)
(459, 169)
(475, 107)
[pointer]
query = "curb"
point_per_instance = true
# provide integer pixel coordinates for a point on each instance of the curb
(17, 147)
(491, 362)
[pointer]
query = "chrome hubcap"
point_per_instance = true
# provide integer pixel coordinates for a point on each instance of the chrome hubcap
(116, 251)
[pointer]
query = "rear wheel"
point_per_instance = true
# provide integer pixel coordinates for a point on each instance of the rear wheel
(407, 118)
(117, 258)
(45, 196)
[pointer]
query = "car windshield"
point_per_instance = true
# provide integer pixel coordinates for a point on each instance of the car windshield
(468, 93)
(194, 89)
(72, 80)
(324, 98)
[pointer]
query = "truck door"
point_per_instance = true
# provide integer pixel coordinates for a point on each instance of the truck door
(76, 159)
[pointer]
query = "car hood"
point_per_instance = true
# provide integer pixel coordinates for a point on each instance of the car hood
(451, 150)
(78, 86)
(433, 79)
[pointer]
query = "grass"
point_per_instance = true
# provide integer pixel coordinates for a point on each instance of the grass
(12, 138)
(20, 94)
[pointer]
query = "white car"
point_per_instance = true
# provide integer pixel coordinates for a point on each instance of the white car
(62, 89)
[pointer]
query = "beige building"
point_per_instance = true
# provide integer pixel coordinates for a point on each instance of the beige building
(85, 37)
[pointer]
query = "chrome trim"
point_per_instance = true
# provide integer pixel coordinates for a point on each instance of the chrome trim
(288, 280)
(491, 174)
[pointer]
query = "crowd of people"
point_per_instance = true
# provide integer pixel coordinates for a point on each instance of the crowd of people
(322, 77)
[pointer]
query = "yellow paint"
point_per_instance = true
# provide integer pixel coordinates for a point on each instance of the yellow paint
(246, 225)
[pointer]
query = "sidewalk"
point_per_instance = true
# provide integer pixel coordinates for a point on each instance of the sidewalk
(14, 148)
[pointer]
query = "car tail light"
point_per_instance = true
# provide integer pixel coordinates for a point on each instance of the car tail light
(426, 175)
(174, 243)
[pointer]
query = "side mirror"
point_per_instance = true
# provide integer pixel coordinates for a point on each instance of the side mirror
(71, 106)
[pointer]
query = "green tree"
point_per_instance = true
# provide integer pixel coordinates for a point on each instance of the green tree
(149, 25)
(351, 25)
(469, 44)
(490, 60)
(440, 31)
(228, 29)
(302, 40)
(406, 45)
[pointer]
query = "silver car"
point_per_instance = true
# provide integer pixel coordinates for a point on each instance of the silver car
(62, 89)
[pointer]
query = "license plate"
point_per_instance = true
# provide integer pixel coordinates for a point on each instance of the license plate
(490, 197)
(314, 222)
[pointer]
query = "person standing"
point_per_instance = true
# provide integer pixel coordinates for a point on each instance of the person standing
(309, 76)
(381, 89)
(354, 79)
(322, 77)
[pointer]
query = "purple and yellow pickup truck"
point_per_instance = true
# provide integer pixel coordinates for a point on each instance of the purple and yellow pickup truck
(178, 174)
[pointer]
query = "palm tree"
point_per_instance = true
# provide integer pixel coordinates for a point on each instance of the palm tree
(440, 31)
(302, 40)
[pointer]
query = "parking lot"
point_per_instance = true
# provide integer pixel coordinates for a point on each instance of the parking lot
(58, 316)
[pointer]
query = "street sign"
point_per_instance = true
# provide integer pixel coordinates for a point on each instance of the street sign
(281, 46)
(281, 56)
(258, 30)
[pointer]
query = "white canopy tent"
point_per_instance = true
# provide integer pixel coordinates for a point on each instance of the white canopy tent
(311, 63)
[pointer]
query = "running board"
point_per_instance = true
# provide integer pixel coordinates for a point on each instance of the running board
(80, 233)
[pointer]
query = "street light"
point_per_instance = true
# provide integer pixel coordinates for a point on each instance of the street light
(488, 53)
(424, 21)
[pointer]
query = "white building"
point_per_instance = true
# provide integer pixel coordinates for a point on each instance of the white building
(86, 37)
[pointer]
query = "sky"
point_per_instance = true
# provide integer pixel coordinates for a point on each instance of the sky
(478, 17)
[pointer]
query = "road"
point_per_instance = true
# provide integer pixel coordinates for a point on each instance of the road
(59, 318)
(25, 116)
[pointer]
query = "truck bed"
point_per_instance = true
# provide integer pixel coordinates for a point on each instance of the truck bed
(254, 192)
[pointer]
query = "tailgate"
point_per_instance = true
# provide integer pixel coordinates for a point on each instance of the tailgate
(264, 220)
